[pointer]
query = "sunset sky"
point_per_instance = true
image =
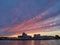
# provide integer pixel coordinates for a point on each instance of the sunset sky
(29, 16)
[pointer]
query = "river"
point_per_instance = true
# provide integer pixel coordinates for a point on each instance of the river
(29, 42)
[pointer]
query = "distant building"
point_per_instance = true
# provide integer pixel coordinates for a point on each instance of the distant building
(36, 35)
(24, 36)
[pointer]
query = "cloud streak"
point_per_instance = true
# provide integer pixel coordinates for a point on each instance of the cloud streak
(25, 19)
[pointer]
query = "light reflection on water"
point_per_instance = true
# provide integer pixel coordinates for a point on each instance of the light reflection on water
(29, 42)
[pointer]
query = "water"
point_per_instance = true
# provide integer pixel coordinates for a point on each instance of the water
(29, 42)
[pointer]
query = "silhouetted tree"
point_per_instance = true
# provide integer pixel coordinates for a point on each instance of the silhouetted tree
(57, 37)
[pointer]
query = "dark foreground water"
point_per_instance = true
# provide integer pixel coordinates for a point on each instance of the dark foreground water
(29, 42)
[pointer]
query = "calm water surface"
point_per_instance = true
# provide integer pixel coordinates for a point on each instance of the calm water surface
(29, 42)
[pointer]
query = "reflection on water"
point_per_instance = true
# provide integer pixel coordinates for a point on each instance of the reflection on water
(30, 42)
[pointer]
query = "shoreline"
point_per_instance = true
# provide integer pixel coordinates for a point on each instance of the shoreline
(29, 39)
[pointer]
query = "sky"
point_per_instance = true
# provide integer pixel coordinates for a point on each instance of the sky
(29, 16)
